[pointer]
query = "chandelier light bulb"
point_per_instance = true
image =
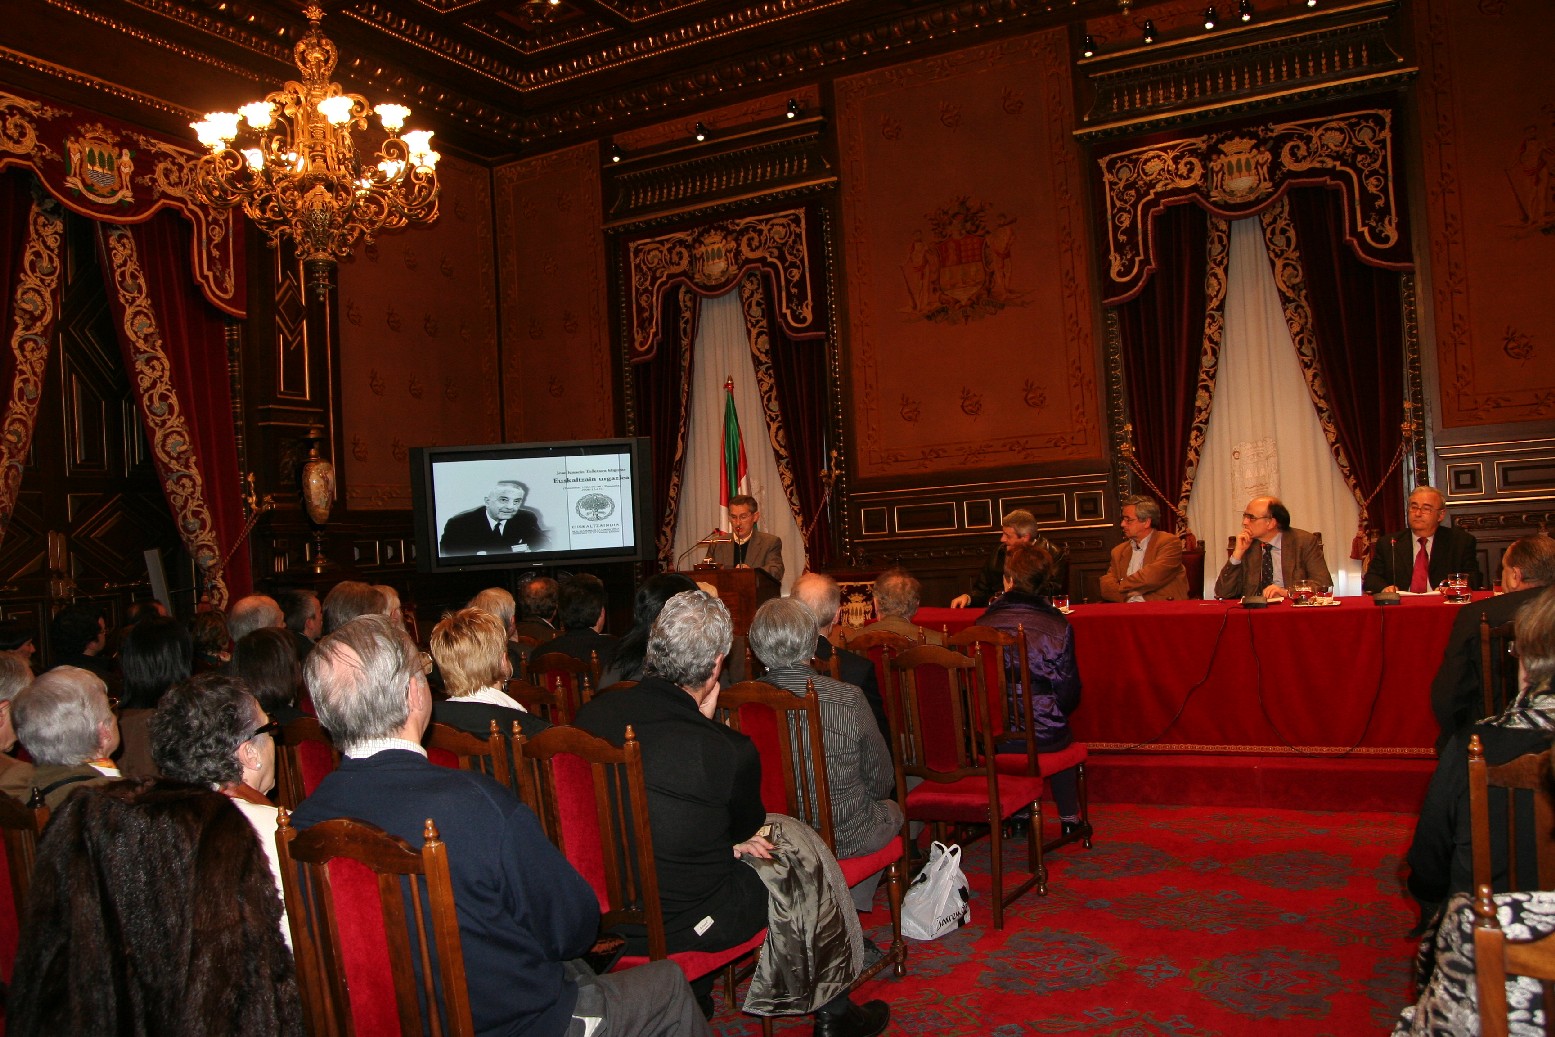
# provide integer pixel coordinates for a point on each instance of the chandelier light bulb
(336, 109)
(392, 116)
(255, 157)
(1088, 47)
(258, 114)
(701, 132)
(1246, 10)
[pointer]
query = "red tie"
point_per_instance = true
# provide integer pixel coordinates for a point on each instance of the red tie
(1420, 580)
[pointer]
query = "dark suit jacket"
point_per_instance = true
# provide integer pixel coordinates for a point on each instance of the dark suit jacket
(470, 532)
(1161, 578)
(523, 910)
(989, 582)
(764, 551)
(1456, 697)
(1393, 563)
(859, 671)
(538, 629)
(579, 644)
(704, 796)
(1300, 559)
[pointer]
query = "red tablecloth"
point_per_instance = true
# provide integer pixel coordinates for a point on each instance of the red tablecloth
(1212, 676)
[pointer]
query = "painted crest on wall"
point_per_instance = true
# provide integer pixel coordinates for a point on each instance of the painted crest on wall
(99, 168)
(960, 270)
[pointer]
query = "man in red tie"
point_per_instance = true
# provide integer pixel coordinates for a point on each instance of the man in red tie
(1421, 557)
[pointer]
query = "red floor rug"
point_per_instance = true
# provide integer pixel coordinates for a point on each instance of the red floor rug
(1179, 921)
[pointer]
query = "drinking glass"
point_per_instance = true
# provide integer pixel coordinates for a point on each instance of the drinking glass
(1061, 602)
(1457, 587)
(1303, 591)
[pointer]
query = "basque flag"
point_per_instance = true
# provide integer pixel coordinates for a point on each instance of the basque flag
(733, 478)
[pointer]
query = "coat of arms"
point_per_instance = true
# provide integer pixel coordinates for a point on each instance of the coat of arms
(962, 271)
(1240, 173)
(98, 168)
(710, 257)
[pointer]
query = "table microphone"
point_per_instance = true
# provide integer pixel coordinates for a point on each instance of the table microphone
(1254, 601)
(1390, 597)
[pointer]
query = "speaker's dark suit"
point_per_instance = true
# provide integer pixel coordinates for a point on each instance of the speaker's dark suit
(470, 532)
(1452, 551)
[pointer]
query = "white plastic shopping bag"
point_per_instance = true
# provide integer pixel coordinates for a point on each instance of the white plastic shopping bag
(938, 901)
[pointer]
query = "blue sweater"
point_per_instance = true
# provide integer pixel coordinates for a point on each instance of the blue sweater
(523, 910)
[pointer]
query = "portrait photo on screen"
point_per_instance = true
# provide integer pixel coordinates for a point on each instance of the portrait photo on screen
(518, 505)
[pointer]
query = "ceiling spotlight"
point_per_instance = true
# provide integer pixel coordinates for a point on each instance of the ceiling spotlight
(1245, 9)
(793, 109)
(1149, 31)
(1209, 17)
(1311, 3)
(1088, 47)
(616, 154)
(701, 132)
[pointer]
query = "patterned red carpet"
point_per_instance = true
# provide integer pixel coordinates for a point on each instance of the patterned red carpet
(1180, 921)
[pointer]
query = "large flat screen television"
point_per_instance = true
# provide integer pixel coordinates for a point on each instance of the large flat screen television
(531, 504)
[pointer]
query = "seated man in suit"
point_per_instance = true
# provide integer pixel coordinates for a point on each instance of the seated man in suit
(500, 525)
(747, 546)
(1527, 567)
(65, 723)
(582, 614)
(821, 595)
(1148, 565)
(524, 913)
(1421, 557)
(897, 597)
(1275, 554)
(704, 798)
(538, 600)
(1017, 528)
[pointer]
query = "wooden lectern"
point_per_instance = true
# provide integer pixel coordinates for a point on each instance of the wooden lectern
(742, 591)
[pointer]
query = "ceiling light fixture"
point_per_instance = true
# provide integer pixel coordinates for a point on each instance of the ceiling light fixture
(1149, 31)
(701, 133)
(295, 169)
(1210, 20)
(1088, 47)
(1245, 9)
(616, 154)
(793, 109)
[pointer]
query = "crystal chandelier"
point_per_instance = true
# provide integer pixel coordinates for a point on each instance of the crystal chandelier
(295, 170)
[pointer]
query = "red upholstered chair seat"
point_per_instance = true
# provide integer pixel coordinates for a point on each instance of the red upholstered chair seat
(696, 964)
(966, 800)
(857, 869)
(1049, 763)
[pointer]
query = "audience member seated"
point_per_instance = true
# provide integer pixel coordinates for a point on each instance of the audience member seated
(304, 618)
(537, 604)
(501, 604)
(66, 725)
(209, 731)
(1147, 566)
(212, 643)
(1277, 555)
(157, 653)
(1055, 678)
(1441, 859)
(524, 912)
(897, 597)
(581, 610)
(470, 648)
(391, 603)
(349, 599)
(15, 676)
(820, 594)
(16, 636)
(652, 593)
(865, 816)
(255, 612)
(77, 637)
(1527, 567)
(267, 662)
(1421, 557)
(152, 912)
(1016, 528)
(704, 798)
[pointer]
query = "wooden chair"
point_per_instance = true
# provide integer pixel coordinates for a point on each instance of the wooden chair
(1530, 773)
(574, 678)
(1498, 677)
(347, 938)
(549, 703)
(593, 804)
(831, 666)
(448, 746)
(941, 732)
(1496, 957)
(20, 829)
(880, 647)
(1003, 662)
(525, 649)
(787, 731)
(304, 754)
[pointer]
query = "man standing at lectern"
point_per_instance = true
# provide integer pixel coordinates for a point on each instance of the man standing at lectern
(1426, 553)
(747, 546)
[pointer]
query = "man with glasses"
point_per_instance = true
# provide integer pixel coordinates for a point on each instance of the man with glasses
(1270, 555)
(1421, 557)
(1147, 566)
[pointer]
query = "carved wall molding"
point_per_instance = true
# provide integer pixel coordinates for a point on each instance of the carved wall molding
(1244, 68)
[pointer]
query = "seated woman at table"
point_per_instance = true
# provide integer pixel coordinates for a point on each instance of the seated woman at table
(1055, 679)
(1441, 859)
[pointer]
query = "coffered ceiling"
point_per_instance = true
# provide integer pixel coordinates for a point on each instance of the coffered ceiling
(494, 78)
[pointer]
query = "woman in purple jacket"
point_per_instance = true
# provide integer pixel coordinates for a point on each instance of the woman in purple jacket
(1055, 679)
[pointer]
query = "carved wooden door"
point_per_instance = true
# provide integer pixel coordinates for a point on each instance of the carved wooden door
(90, 502)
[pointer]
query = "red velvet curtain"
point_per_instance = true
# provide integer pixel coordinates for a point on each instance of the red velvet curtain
(663, 390)
(799, 381)
(1162, 333)
(1358, 330)
(174, 344)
